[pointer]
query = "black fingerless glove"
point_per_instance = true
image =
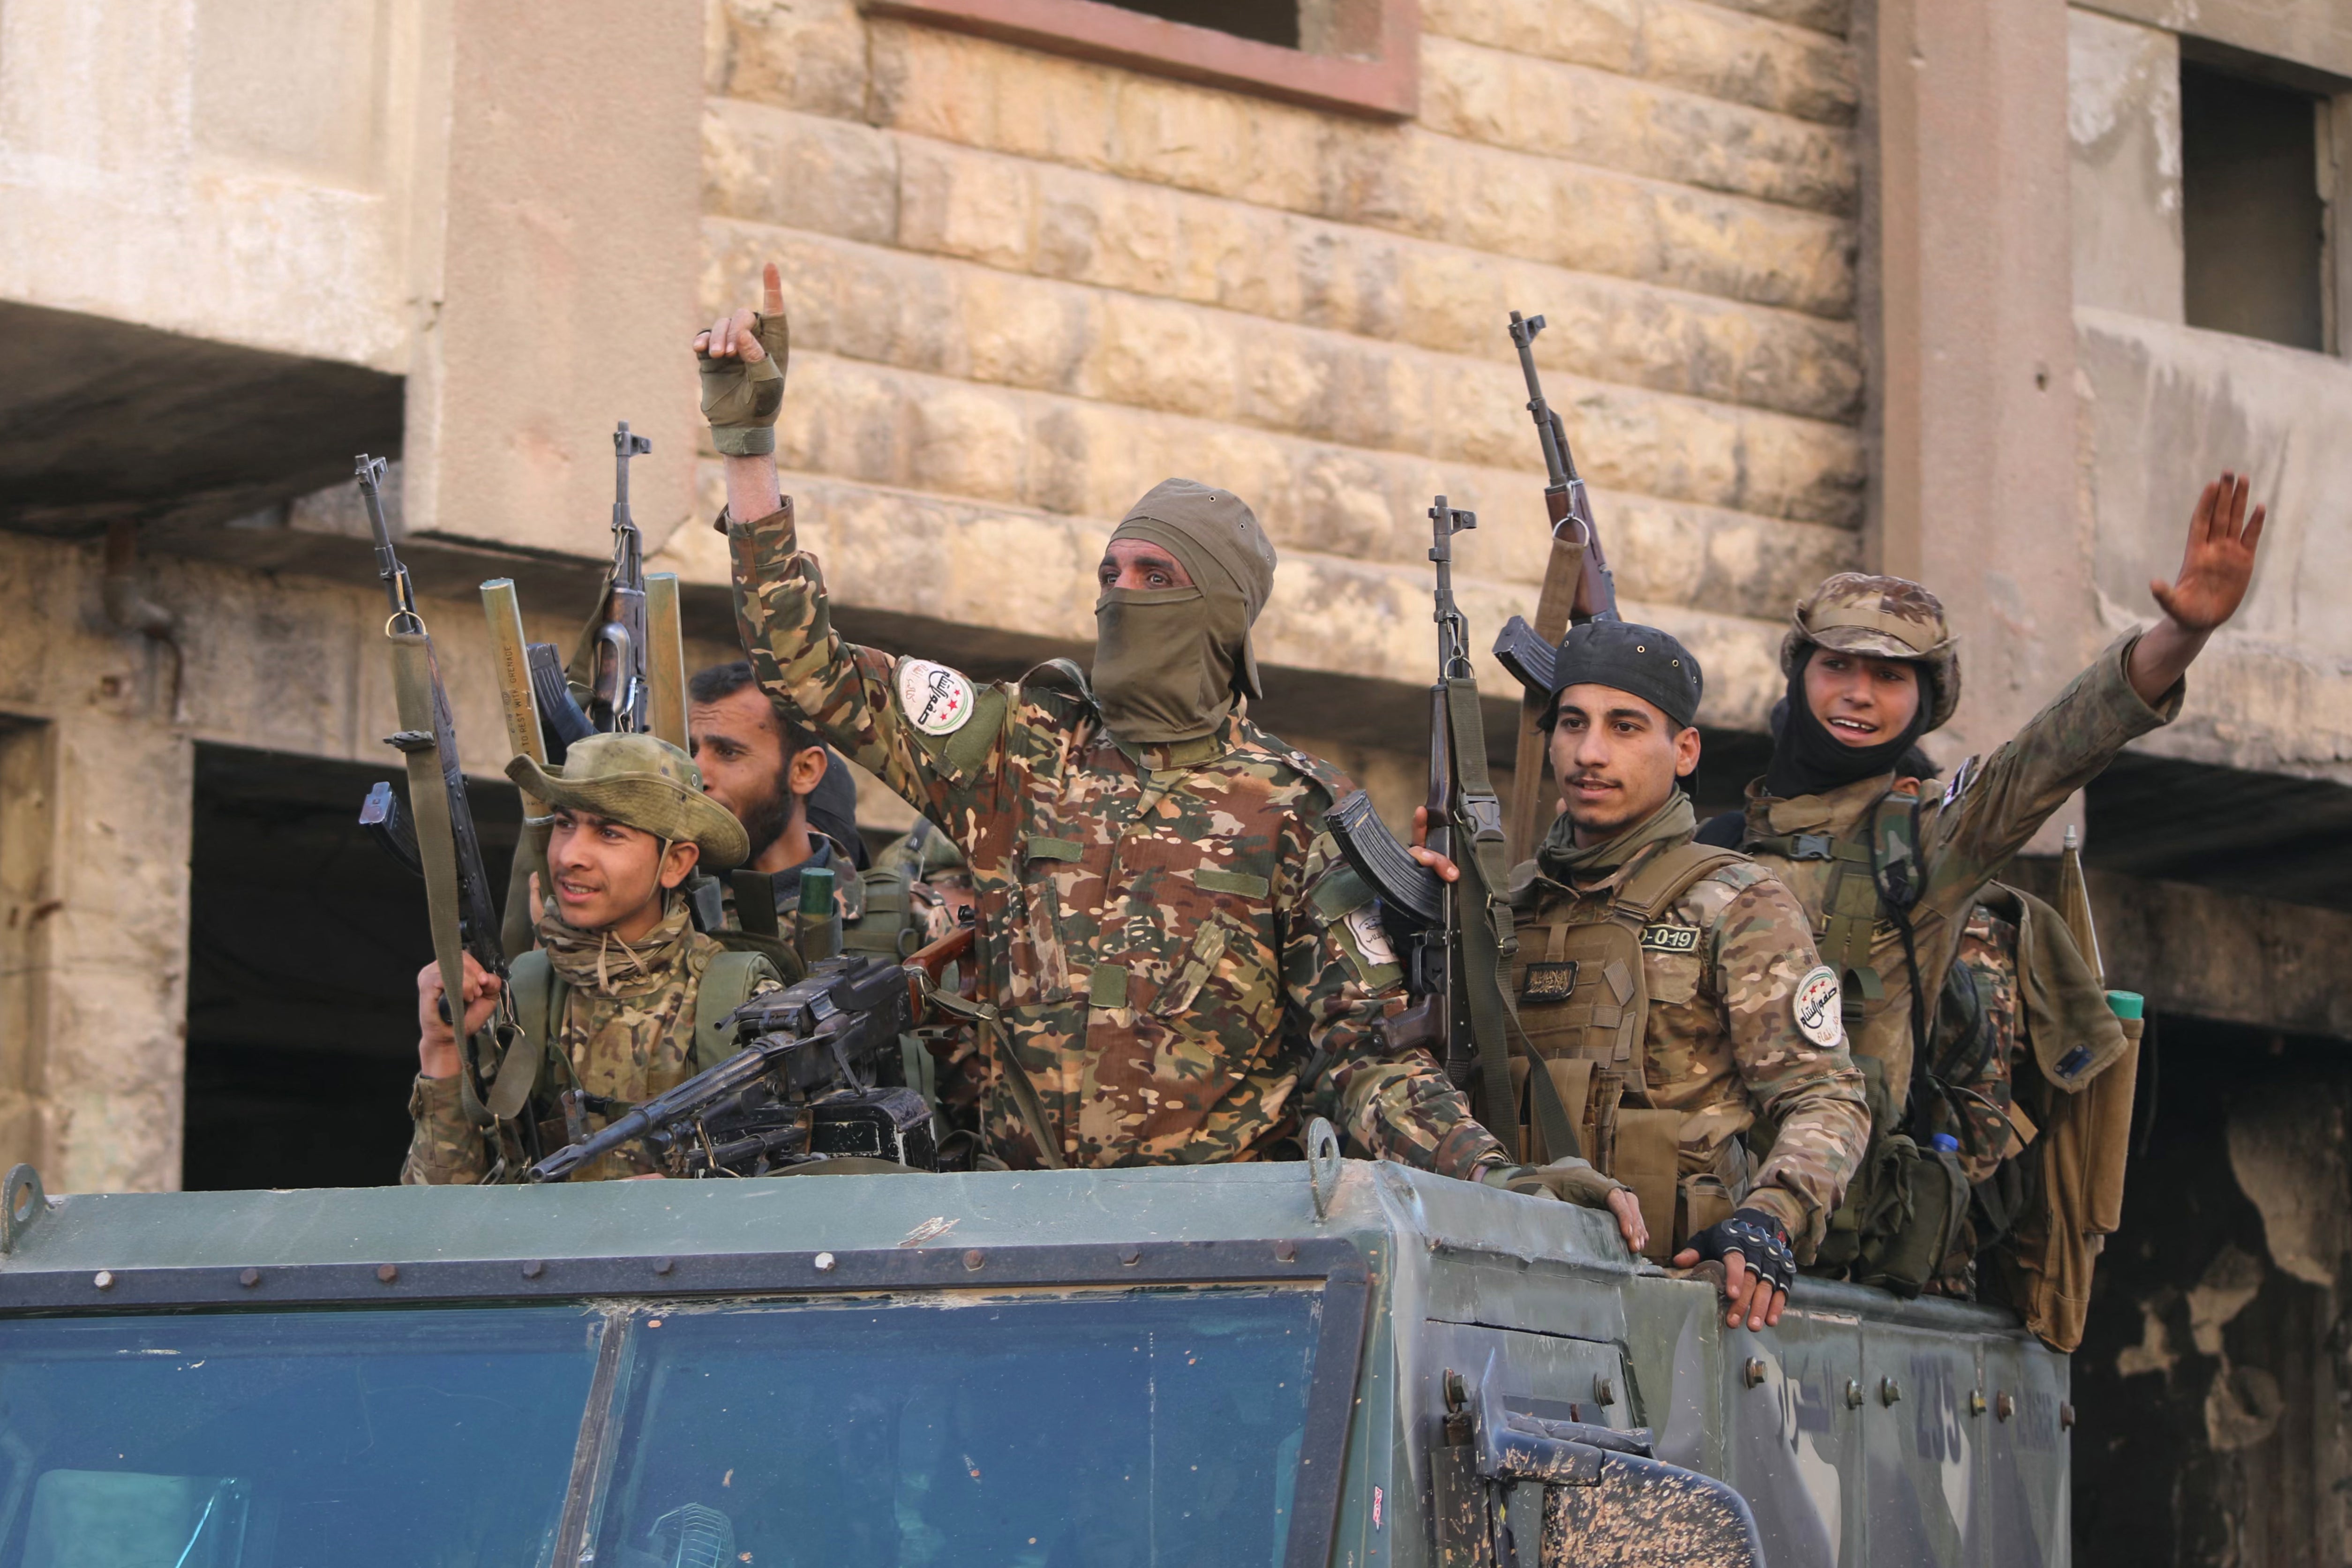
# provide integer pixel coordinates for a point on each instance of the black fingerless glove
(1759, 1239)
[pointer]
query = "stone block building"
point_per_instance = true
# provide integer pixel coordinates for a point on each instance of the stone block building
(1974, 290)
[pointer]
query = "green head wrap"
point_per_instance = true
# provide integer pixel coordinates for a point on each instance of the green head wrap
(1168, 661)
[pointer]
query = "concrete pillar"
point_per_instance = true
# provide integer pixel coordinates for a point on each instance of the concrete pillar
(556, 275)
(1967, 271)
(95, 822)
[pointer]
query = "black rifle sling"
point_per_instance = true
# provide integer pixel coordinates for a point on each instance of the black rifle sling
(1487, 942)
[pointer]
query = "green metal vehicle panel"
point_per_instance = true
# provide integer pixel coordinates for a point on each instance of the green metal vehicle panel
(1862, 1430)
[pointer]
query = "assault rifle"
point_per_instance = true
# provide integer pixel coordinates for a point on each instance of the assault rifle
(1455, 937)
(820, 1075)
(1577, 585)
(443, 846)
(612, 667)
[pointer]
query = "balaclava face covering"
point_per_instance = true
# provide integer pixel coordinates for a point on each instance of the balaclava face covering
(1169, 661)
(1807, 759)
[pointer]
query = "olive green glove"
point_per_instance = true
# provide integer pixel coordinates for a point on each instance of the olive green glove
(742, 400)
(1571, 1180)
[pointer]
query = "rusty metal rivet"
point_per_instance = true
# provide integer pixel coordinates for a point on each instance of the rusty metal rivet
(1286, 1251)
(1753, 1372)
(387, 1272)
(1129, 1256)
(974, 1258)
(2066, 1416)
(2003, 1405)
(103, 1279)
(1889, 1391)
(825, 1262)
(663, 1265)
(249, 1278)
(1976, 1402)
(1603, 1391)
(1852, 1394)
(533, 1269)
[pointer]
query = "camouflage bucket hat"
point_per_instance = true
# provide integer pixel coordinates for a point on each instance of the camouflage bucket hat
(1881, 618)
(644, 783)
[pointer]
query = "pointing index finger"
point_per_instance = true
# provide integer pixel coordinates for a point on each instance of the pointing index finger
(771, 299)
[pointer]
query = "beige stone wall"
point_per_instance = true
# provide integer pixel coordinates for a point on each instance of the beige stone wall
(1025, 288)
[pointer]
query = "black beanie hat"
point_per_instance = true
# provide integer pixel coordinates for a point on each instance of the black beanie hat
(1642, 659)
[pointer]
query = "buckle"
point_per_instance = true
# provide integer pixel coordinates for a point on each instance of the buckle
(1812, 847)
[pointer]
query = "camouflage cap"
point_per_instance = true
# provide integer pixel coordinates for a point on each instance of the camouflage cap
(1884, 618)
(642, 782)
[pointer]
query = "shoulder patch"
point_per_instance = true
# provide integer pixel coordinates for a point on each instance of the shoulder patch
(1364, 928)
(1819, 1007)
(936, 699)
(1665, 938)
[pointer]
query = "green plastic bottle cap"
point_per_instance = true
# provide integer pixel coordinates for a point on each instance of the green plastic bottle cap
(2128, 1004)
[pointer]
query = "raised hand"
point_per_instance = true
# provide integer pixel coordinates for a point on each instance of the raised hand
(2219, 561)
(742, 358)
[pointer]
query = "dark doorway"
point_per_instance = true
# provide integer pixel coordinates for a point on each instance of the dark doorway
(2211, 1384)
(304, 943)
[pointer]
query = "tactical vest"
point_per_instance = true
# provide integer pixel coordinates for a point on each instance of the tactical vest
(1584, 1001)
(1882, 848)
(540, 996)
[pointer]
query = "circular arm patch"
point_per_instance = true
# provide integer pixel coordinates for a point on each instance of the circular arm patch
(1819, 1005)
(937, 700)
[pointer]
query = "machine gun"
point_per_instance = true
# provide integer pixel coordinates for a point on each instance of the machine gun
(443, 846)
(820, 1075)
(1577, 585)
(1454, 936)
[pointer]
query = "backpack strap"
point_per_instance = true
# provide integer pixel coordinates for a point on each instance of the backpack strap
(539, 997)
(727, 981)
(1667, 876)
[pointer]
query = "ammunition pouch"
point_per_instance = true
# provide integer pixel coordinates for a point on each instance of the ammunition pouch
(1904, 1209)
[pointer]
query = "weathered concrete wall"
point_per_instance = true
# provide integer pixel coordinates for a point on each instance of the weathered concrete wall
(95, 782)
(1025, 288)
(2122, 116)
(2315, 33)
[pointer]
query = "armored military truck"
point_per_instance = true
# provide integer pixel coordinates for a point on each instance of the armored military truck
(1295, 1365)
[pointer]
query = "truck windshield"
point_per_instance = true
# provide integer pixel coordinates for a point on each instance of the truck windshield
(1126, 1429)
(346, 1437)
(1122, 1429)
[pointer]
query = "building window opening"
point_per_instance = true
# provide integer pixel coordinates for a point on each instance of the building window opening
(1266, 21)
(2252, 219)
(304, 940)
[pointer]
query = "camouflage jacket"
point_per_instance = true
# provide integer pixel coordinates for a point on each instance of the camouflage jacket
(626, 1033)
(1722, 1043)
(1964, 834)
(1150, 923)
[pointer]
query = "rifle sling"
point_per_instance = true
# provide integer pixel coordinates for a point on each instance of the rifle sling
(1487, 940)
(413, 684)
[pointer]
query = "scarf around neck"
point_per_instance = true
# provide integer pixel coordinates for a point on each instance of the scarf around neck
(601, 962)
(1561, 858)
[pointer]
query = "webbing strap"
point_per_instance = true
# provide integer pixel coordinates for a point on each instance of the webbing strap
(414, 693)
(536, 992)
(1487, 942)
(990, 1024)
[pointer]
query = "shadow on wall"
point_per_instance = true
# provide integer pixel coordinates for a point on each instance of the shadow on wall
(2213, 1381)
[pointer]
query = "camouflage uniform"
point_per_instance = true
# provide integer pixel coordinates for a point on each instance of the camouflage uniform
(1722, 1045)
(1962, 834)
(627, 1033)
(1149, 915)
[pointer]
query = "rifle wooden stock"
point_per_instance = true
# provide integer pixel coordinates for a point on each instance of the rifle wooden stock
(665, 660)
(1563, 578)
(510, 656)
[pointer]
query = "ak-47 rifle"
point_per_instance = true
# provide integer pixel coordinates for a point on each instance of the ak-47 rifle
(620, 688)
(820, 1075)
(443, 847)
(1455, 937)
(1577, 585)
